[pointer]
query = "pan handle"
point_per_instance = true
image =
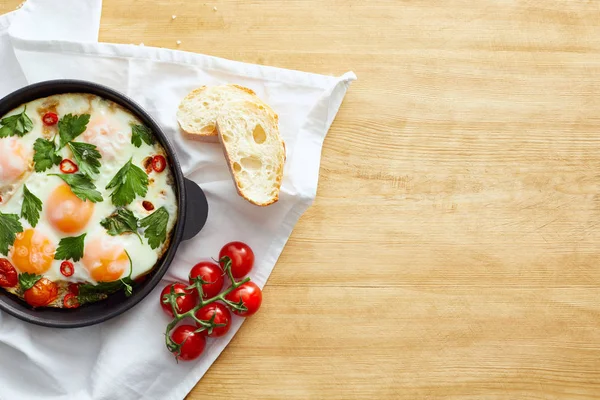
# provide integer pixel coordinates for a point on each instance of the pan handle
(196, 209)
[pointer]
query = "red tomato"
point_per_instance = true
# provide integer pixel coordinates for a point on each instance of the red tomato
(8, 274)
(50, 118)
(209, 272)
(242, 258)
(192, 343)
(184, 303)
(222, 316)
(250, 294)
(42, 293)
(70, 301)
(159, 163)
(67, 268)
(68, 167)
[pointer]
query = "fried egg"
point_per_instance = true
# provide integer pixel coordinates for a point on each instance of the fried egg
(105, 258)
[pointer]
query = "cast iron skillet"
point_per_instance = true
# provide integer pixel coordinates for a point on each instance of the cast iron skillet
(193, 211)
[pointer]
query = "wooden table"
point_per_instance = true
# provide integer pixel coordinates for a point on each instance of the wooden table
(453, 250)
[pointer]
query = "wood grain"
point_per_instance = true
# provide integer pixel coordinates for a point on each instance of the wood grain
(453, 249)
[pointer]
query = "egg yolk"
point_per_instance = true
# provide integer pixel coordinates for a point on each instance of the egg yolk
(67, 212)
(108, 139)
(15, 159)
(32, 252)
(105, 259)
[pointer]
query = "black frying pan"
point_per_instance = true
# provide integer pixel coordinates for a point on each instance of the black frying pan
(193, 211)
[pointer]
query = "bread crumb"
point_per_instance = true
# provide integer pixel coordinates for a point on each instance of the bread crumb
(215, 8)
(173, 16)
(142, 44)
(178, 42)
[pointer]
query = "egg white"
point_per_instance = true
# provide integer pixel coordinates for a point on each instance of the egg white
(42, 184)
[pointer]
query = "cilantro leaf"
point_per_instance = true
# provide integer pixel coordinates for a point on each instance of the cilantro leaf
(27, 280)
(139, 133)
(121, 221)
(156, 227)
(70, 248)
(31, 207)
(16, 125)
(82, 187)
(9, 227)
(45, 155)
(70, 126)
(129, 181)
(87, 156)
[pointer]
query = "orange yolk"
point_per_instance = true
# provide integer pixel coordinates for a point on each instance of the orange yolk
(105, 259)
(15, 159)
(67, 212)
(32, 252)
(105, 137)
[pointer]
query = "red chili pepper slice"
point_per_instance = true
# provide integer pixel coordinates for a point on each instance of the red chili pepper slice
(159, 163)
(68, 167)
(147, 205)
(50, 119)
(74, 288)
(70, 301)
(67, 268)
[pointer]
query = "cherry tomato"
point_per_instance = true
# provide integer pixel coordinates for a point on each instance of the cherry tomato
(68, 167)
(42, 293)
(70, 301)
(250, 294)
(209, 272)
(50, 118)
(159, 163)
(222, 316)
(67, 268)
(192, 343)
(8, 274)
(184, 303)
(242, 258)
(74, 288)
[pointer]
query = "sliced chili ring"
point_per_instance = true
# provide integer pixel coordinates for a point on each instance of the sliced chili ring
(67, 268)
(50, 118)
(70, 301)
(68, 167)
(159, 163)
(148, 206)
(74, 288)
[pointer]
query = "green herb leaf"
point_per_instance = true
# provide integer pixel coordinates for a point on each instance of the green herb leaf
(139, 133)
(9, 227)
(27, 280)
(16, 125)
(121, 221)
(31, 207)
(82, 187)
(87, 156)
(70, 248)
(70, 126)
(45, 155)
(89, 293)
(156, 227)
(129, 181)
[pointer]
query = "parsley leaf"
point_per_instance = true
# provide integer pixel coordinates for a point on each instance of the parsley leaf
(156, 227)
(70, 248)
(70, 126)
(139, 133)
(9, 227)
(31, 207)
(87, 156)
(121, 221)
(129, 181)
(16, 125)
(45, 155)
(27, 280)
(82, 187)
(89, 293)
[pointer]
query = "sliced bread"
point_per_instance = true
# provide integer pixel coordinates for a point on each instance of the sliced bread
(198, 111)
(255, 153)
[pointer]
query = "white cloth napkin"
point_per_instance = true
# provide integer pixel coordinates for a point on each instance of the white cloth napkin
(125, 358)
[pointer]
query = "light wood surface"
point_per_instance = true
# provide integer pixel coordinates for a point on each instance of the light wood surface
(453, 250)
